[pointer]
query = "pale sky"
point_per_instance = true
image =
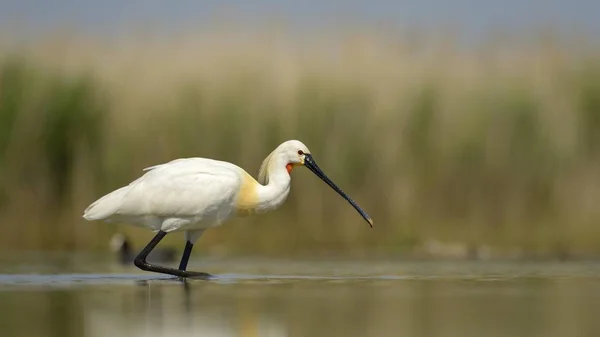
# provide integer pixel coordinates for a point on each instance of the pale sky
(474, 17)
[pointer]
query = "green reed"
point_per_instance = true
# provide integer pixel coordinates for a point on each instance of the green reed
(496, 158)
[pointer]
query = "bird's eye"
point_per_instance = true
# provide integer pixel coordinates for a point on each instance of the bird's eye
(300, 152)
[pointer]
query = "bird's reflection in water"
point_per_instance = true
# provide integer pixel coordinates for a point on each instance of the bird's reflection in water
(162, 299)
(172, 306)
(187, 304)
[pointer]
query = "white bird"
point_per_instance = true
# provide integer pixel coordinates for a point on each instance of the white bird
(194, 194)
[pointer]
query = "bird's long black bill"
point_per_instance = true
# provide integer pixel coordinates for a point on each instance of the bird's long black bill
(309, 162)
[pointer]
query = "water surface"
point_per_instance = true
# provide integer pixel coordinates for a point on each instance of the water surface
(84, 295)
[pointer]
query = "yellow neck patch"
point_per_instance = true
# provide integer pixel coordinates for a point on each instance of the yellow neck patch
(247, 197)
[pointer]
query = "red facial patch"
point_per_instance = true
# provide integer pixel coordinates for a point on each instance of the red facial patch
(289, 168)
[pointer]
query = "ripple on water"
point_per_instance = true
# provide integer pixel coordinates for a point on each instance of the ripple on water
(10, 281)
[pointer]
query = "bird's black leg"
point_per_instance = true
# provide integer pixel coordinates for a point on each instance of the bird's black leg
(186, 255)
(140, 261)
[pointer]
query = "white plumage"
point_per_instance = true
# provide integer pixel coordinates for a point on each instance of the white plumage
(174, 196)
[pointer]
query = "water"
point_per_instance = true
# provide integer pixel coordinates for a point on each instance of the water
(82, 295)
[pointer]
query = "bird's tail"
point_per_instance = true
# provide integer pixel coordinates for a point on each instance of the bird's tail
(106, 206)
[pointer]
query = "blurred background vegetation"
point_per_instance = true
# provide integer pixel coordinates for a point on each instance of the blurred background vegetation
(494, 148)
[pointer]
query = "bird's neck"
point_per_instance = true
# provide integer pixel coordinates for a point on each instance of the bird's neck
(266, 194)
(275, 192)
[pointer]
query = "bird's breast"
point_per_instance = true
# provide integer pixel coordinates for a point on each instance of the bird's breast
(248, 199)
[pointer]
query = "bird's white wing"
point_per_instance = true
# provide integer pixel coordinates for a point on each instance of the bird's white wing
(193, 188)
(189, 187)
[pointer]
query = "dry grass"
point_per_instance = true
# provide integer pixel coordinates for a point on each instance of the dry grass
(493, 146)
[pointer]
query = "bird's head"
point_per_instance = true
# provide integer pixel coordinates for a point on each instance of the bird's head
(295, 153)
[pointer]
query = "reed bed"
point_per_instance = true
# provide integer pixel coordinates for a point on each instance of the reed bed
(496, 145)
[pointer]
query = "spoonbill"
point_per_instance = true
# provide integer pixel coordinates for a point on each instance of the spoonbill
(194, 194)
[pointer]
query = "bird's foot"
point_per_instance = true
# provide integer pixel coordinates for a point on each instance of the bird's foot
(196, 275)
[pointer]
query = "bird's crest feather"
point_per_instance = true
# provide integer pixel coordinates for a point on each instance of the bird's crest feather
(263, 172)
